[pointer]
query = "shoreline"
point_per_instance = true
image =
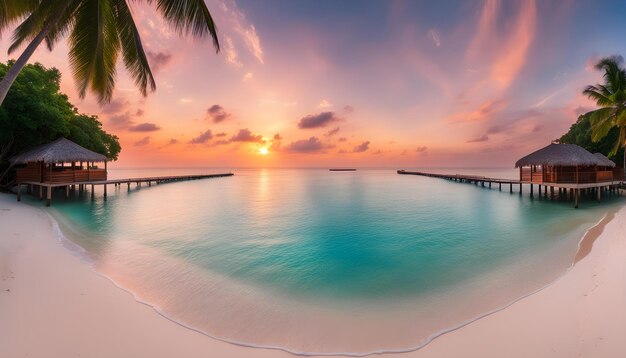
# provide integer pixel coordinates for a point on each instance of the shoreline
(432, 344)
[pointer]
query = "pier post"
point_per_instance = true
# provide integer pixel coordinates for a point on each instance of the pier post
(19, 192)
(48, 195)
(128, 185)
(520, 188)
(105, 190)
(67, 191)
(149, 183)
(599, 195)
(576, 194)
(539, 191)
(511, 188)
(531, 190)
(40, 192)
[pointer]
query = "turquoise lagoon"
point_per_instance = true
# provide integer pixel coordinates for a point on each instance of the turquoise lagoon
(312, 261)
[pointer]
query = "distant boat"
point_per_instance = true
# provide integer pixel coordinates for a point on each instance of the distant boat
(342, 170)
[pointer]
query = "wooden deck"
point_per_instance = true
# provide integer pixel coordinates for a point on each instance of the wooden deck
(568, 190)
(116, 182)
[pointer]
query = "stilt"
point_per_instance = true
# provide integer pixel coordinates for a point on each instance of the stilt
(576, 194)
(545, 191)
(105, 191)
(539, 191)
(40, 192)
(29, 189)
(48, 196)
(531, 190)
(19, 192)
(149, 183)
(67, 191)
(92, 188)
(128, 185)
(599, 195)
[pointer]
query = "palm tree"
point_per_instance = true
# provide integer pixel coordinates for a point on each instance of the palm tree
(611, 98)
(98, 32)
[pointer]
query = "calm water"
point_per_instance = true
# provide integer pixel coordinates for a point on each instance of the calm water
(321, 262)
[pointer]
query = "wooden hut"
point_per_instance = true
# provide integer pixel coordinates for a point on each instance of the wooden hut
(566, 164)
(62, 163)
(570, 168)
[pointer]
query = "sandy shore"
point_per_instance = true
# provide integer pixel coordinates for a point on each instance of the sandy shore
(53, 305)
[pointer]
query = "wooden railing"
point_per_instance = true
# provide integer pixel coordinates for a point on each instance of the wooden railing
(568, 176)
(71, 176)
(31, 172)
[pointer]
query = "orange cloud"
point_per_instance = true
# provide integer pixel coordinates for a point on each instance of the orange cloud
(483, 111)
(486, 29)
(515, 48)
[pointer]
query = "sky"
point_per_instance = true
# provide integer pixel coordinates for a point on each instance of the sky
(400, 84)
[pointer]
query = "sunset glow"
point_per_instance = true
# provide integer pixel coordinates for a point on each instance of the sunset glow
(478, 84)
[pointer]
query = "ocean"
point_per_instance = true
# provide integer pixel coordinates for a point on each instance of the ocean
(318, 262)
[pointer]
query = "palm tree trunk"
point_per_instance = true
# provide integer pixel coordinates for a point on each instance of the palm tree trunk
(15, 70)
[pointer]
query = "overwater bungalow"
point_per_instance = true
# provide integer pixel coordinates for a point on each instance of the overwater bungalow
(569, 167)
(58, 163)
(65, 164)
(568, 164)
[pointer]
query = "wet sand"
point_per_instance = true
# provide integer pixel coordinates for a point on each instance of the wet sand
(53, 305)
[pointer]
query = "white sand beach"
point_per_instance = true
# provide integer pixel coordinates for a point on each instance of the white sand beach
(52, 304)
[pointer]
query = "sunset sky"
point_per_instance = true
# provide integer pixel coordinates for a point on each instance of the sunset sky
(359, 83)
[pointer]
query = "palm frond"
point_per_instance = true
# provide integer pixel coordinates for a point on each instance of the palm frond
(614, 74)
(48, 12)
(599, 94)
(12, 11)
(620, 143)
(94, 48)
(189, 17)
(602, 120)
(64, 23)
(133, 53)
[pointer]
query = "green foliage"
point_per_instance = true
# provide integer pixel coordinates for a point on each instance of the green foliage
(581, 133)
(36, 112)
(87, 131)
(99, 32)
(610, 97)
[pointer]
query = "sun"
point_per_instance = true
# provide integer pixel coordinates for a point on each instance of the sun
(263, 151)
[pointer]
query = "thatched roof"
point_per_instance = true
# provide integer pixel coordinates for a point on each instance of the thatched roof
(60, 150)
(563, 155)
(607, 162)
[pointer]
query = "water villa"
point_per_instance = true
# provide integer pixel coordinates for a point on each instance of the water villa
(568, 168)
(567, 164)
(60, 161)
(63, 163)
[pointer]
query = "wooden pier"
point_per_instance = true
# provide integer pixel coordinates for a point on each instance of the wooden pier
(570, 191)
(31, 185)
